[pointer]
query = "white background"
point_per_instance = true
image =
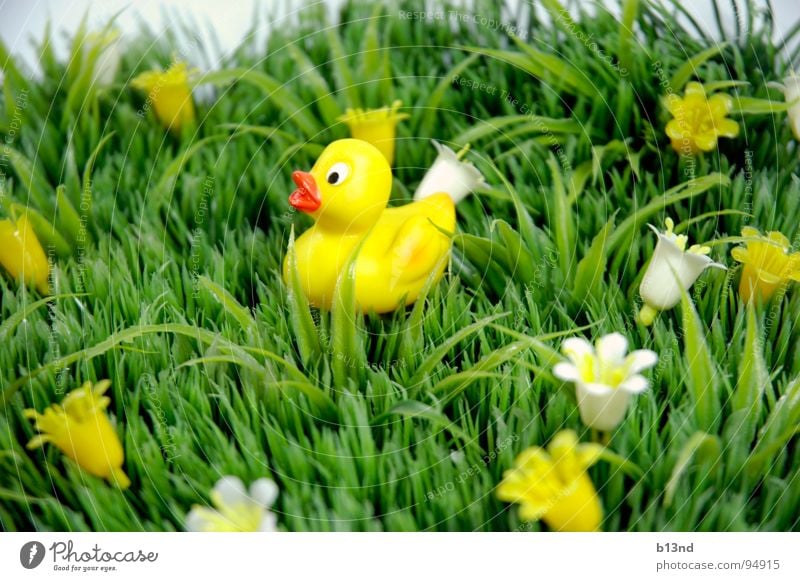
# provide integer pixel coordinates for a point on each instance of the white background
(21, 20)
(414, 556)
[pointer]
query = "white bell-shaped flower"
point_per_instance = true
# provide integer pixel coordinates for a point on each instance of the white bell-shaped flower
(107, 48)
(604, 376)
(235, 508)
(672, 269)
(791, 93)
(450, 175)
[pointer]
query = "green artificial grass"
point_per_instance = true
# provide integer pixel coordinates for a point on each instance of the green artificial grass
(167, 256)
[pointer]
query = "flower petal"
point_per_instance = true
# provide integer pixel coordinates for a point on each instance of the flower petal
(588, 454)
(726, 127)
(675, 129)
(750, 232)
(705, 141)
(576, 348)
(600, 389)
(640, 359)
(778, 238)
(793, 268)
(230, 491)
(199, 519)
(635, 384)
(612, 347)
(264, 491)
(673, 103)
(739, 254)
(566, 372)
(269, 522)
(694, 88)
(720, 105)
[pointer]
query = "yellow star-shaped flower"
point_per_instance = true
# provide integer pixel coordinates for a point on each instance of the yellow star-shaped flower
(699, 120)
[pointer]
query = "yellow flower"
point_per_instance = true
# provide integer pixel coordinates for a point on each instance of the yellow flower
(553, 485)
(170, 95)
(80, 428)
(375, 126)
(768, 265)
(22, 255)
(699, 120)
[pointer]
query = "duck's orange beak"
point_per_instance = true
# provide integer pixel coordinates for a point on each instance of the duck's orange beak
(306, 197)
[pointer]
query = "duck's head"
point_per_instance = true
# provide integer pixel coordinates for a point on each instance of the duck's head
(348, 187)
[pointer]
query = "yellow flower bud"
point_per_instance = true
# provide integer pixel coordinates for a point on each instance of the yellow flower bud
(553, 485)
(170, 95)
(375, 126)
(22, 255)
(768, 265)
(81, 429)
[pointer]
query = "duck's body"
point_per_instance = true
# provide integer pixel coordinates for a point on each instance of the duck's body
(397, 257)
(399, 249)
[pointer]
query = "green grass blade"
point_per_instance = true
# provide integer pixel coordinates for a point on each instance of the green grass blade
(705, 448)
(520, 260)
(67, 218)
(704, 378)
(348, 359)
(33, 180)
(689, 68)
(754, 106)
(309, 74)
(753, 375)
(234, 308)
(305, 330)
(416, 409)
(434, 100)
(563, 220)
(592, 267)
(630, 11)
(454, 384)
(682, 191)
(275, 91)
(436, 356)
(343, 74)
(547, 125)
(166, 183)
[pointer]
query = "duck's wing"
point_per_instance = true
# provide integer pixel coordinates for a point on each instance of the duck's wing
(416, 251)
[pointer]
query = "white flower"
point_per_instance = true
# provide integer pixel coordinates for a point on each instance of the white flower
(450, 175)
(672, 269)
(234, 509)
(604, 377)
(791, 93)
(106, 48)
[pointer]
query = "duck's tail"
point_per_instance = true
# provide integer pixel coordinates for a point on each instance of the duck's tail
(451, 175)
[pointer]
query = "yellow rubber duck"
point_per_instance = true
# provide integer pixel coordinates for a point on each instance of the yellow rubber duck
(346, 193)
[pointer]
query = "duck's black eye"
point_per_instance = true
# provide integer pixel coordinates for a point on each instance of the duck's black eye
(338, 173)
